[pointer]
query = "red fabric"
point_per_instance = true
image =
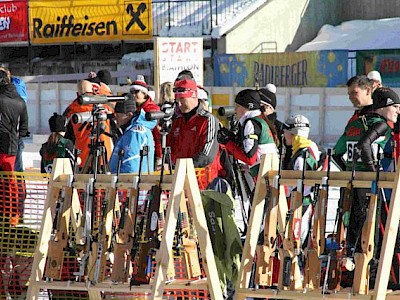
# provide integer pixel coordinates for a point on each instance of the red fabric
(147, 106)
(7, 162)
(188, 138)
(238, 153)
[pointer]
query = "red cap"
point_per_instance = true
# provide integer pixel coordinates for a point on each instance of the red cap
(185, 89)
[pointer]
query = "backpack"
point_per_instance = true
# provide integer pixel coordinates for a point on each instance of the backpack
(20, 86)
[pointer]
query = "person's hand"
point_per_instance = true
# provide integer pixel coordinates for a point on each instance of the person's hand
(224, 136)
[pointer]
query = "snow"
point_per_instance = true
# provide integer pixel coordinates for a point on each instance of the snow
(357, 35)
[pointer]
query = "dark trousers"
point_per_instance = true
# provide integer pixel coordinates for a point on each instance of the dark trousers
(19, 165)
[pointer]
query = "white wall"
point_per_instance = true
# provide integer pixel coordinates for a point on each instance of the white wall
(327, 108)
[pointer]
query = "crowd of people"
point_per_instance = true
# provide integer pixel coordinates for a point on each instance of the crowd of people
(117, 132)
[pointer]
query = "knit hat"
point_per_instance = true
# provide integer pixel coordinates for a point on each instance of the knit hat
(383, 97)
(375, 75)
(4, 78)
(104, 76)
(249, 99)
(129, 105)
(268, 97)
(140, 85)
(92, 77)
(185, 89)
(57, 123)
(298, 125)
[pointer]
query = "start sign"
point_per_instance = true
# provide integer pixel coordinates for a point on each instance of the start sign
(89, 21)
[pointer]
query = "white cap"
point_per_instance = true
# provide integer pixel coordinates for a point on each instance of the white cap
(375, 75)
(271, 87)
(298, 125)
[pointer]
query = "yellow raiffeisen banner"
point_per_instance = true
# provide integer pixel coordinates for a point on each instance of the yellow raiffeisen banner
(82, 21)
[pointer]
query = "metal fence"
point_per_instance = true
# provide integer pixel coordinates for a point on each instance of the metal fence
(201, 16)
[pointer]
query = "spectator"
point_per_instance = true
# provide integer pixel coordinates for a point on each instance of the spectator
(21, 89)
(137, 134)
(13, 125)
(376, 78)
(194, 131)
(167, 93)
(140, 90)
(56, 146)
(254, 138)
(80, 133)
(13, 121)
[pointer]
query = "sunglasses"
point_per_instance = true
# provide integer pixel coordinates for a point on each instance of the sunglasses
(181, 90)
(134, 91)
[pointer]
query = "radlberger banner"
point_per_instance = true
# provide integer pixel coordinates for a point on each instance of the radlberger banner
(13, 21)
(173, 55)
(294, 69)
(386, 62)
(82, 21)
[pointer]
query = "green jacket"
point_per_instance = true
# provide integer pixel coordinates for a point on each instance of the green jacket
(353, 133)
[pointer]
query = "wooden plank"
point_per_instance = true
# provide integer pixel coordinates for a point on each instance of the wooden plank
(389, 241)
(60, 166)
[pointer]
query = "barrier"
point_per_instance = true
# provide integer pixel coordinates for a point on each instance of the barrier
(300, 287)
(104, 276)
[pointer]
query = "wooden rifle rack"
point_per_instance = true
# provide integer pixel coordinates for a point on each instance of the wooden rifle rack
(182, 184)
(268, 169)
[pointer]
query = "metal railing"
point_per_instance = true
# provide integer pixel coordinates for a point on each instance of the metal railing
(198, 16)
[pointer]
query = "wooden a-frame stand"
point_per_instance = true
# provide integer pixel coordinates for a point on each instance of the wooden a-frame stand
(268, 169)
(182, 184)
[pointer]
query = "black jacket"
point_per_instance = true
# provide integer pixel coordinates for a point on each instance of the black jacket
(13, 119)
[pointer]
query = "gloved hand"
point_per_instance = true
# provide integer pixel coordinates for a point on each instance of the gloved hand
(225, 135)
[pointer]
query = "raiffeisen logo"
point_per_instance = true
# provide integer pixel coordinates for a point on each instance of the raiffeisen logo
(67, 27)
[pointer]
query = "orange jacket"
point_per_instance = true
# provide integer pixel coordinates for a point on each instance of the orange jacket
(81, 133)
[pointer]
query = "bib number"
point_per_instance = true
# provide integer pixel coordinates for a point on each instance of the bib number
(351, 151)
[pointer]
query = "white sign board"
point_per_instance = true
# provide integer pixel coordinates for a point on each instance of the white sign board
(174, 55)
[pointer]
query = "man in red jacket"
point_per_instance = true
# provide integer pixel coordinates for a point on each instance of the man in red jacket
(194, 131)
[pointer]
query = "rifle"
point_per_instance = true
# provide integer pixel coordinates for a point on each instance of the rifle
(59, 239)
(290, 254)
(152, 234)
(317, 246)
(124, 232)
(338, 252)
(366, 260)
(265, 259)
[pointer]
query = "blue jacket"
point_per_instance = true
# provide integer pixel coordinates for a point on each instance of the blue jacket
(20, 86)
(137, 135)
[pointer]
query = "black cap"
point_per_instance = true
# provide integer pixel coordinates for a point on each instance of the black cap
(383, 97)
(129, 105)
(57, 123)
(249, 99)
(267, 97)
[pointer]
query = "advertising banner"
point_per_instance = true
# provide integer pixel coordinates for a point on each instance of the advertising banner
(292, 69)
(82, 21)
(13, 21)
(386, 62)
(176, 54)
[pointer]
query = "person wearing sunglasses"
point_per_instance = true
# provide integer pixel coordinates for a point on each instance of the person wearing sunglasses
(193, 132)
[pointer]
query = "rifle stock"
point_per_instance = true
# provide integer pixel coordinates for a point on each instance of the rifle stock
(265, 260)
(344, 207)
(59, 240)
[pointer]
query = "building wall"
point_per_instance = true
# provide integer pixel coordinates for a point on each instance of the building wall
(289, 24)
(368, 9)
(328, 109)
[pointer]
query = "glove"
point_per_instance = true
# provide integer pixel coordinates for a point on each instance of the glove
(224, 136)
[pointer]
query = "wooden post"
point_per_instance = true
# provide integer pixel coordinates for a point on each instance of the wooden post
(389, 241)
